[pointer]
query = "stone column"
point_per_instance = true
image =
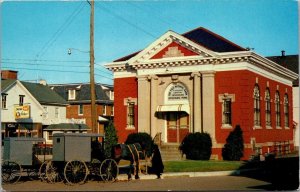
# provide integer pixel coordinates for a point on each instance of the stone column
(208, 98)
(143, 104)
(197, 102)
(153, 104)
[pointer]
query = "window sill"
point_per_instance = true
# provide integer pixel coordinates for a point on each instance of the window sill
(278, 127)
(80, 114)
(257, 127)
(226, 126)
(4, 109)
(130, 128)
(286, 128)
(269, 127)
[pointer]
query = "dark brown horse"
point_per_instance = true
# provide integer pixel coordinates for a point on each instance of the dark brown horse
(130, 152)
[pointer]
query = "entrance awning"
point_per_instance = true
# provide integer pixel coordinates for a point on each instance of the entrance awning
(174, 108)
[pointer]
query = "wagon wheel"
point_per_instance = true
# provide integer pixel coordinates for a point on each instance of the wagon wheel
(109, 170)
(42, 171)
(94, 168)
(75, 172)
(11, 172)
(32, 173)
(52, 174)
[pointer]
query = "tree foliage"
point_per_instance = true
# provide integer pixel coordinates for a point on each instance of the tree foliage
(111, 139)
(234, 148)
(197, 146)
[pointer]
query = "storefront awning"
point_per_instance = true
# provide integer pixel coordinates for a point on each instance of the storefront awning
(173, 108)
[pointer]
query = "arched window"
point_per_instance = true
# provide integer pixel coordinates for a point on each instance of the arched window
(286, 110)
(277, 109)
(256, 97)
(268, 107)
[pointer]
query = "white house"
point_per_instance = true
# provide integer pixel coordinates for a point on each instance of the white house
(27, 108)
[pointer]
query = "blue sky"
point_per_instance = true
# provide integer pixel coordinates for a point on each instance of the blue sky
(36, 35)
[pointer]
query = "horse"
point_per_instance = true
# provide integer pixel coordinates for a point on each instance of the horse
(130, 152)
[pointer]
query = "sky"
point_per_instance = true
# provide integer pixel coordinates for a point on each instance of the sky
(36, 35)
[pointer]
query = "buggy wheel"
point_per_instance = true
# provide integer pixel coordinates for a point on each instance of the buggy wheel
(94, 168)
(11, 172)
(52, 174)
(75, 172)
(42, 171)
(109, 170)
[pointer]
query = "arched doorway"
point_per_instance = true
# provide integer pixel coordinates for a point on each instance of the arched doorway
(176, 110)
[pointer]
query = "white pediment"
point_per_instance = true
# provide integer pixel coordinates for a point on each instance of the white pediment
(164, 41)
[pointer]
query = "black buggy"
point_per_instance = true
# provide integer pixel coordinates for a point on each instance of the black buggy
(77, 156)
(23, 156)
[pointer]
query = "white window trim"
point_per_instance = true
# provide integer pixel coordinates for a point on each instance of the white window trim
(126, 102)
(104, 110)
(80, 114)
(222, 98)
(72, 94)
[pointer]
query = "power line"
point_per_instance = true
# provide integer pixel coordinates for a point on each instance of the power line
(61, 29)
(52, 70)
(44, 60)
(17, 63)
(124, 20)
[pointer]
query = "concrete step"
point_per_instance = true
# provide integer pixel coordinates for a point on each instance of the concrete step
(171, 152)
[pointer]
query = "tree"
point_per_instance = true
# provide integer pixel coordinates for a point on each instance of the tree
(111, 139)
(197, 146)
(234, 148)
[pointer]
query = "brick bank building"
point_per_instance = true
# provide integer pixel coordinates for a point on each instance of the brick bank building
(201, 82)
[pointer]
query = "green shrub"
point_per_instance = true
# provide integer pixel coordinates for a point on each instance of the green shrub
(197, 146)
(144, 139)
(234, 148)
(111, 139)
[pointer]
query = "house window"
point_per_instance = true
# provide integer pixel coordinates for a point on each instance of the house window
(72, 94)
(286, 110)
(111, 95)
(45, 114)
(226, 111)
(277, 109)
(256, 97)
(21, 99)
(4, 101)
(80, 109)
(104, 110)
(130, 114)
(56, 112)
(112, 110)
(268, 107)
(50, 135)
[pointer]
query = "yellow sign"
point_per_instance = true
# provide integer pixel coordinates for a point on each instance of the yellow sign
(22, 112)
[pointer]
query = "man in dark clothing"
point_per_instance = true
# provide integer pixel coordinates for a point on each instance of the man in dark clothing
(157, 163)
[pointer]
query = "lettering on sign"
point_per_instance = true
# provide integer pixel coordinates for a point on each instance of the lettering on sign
(178, 92)
(22, 112)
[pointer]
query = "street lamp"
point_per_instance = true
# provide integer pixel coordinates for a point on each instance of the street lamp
(70, 51)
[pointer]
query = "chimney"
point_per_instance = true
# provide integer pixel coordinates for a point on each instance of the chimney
(283, 53)
(9, 74)
(43, 82)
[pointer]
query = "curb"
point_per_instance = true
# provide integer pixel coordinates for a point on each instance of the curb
(123, 177)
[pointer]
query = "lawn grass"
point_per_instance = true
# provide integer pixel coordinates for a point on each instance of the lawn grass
(201, 166)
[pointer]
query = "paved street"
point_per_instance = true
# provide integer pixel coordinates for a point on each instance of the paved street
(167, 184)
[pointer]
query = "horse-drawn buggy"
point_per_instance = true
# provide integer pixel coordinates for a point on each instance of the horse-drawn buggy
(75, 158)
(22, 157)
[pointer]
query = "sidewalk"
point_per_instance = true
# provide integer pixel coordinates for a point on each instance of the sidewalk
(123, 177)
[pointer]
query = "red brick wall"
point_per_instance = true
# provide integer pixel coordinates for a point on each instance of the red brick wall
(184, 50)
(241, 83)
(8, 74)
(72, 112)
(124, 88)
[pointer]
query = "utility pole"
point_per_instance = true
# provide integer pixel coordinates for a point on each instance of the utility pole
(92, 78)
